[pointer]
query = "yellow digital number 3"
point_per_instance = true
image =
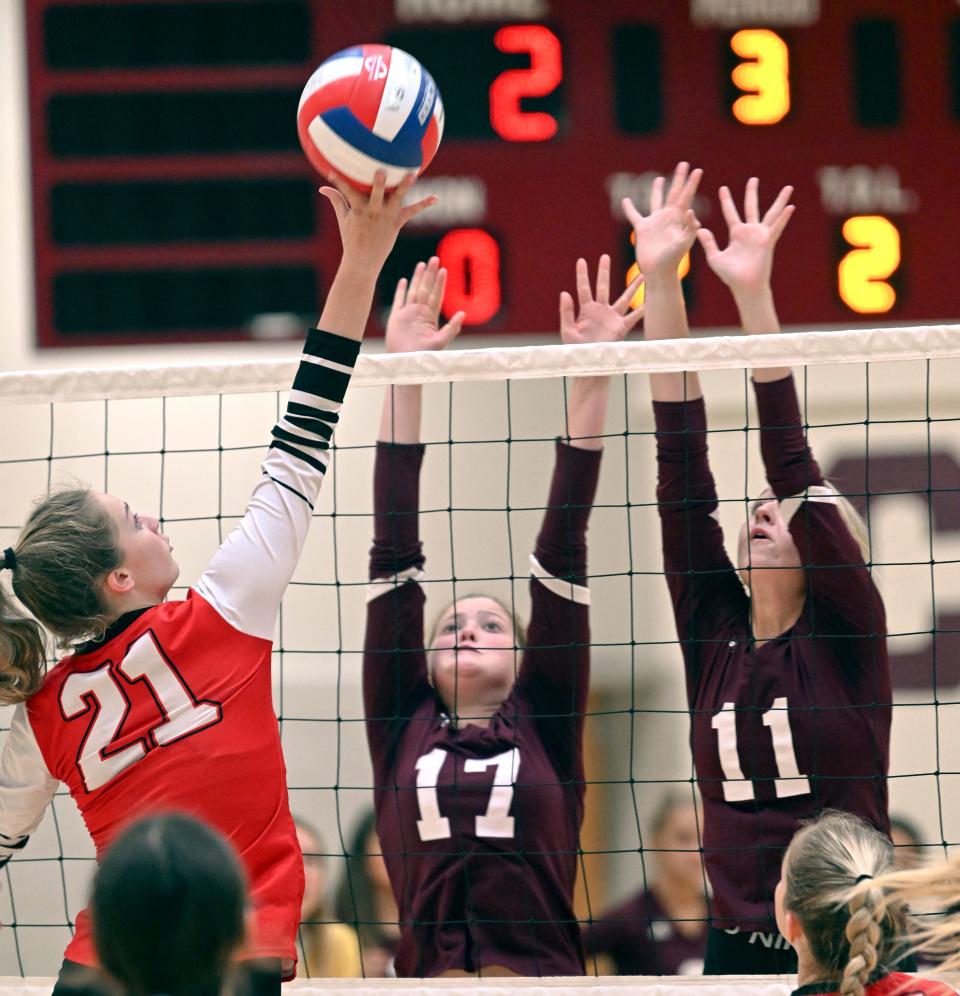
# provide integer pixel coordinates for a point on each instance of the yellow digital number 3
(765, 78)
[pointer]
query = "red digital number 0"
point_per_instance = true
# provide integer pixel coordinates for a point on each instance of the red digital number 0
(543, 77)
(472, 260)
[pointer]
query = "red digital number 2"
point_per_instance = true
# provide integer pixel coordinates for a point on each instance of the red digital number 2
(542, 78)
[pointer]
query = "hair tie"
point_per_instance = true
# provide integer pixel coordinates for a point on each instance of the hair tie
(861, 878)
(9, 559)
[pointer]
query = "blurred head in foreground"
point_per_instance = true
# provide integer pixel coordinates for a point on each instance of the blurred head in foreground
(831, 906)
(168, 907)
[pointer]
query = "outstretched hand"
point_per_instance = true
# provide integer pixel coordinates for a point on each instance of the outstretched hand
(414, 317)
(598, 320)
(665, 235)
(746, 263)
(369, 223)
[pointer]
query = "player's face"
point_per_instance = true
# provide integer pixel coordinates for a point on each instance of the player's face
(472, 658)
(314, 874)
(147, 553)
(678, 842)
(765, 540)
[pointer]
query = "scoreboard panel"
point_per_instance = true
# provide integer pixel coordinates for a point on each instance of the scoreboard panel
(171, 200)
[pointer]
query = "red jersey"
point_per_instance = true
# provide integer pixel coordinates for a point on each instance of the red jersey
(479, 826)
(801, 724)
(894, 984)
(172, 709)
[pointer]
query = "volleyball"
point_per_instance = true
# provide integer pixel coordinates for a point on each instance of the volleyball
(367, 108)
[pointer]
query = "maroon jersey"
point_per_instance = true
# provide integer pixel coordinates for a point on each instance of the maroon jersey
(894, 984)
(642, 939)
(802, 723)
(479, 825)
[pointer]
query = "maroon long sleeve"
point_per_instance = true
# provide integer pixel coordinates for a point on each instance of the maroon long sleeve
(706, 593)
(555, 673)
(394, 662)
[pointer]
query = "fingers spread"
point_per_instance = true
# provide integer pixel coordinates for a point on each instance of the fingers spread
(451, 330)
(436, 293)
(631, 212)
(709, 243)
(730, 214)
(567, 315)
(400, 294)
(678, 182)
(412, 210)
(689, 189)
(603, 279)
(751, 201)
(622, 304)
(778, 206)
(656, 194)
(584, 295)
(776, 229)
(377, 190)
(632, 319)
(415, 282)
(340, 206)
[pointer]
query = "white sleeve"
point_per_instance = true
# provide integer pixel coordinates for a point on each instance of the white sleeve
(26, 786)
(250, 572)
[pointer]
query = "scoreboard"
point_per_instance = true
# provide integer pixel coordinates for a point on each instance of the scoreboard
(171, 201)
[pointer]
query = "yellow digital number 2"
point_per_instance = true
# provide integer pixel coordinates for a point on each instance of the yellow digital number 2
(863, 272)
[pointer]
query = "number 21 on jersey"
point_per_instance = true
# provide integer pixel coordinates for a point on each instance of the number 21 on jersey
(102, 694)
(736, 788)
(495, 822)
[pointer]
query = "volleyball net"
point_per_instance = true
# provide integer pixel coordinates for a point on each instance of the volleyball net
(185, 442)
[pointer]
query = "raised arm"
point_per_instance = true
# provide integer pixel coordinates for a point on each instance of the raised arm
(837, 577)
(663, 237)
(555, 671)
(248, 576)
(394, 662)
(704, 587)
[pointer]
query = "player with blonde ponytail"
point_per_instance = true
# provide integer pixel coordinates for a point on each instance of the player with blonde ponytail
(832, 906)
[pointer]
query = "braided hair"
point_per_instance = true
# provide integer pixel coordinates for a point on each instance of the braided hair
(850, 926)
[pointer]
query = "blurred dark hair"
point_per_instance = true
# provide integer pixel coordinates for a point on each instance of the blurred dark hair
(356, 899)
(168, 907)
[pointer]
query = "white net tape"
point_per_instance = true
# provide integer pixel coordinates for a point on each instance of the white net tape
(519, 363)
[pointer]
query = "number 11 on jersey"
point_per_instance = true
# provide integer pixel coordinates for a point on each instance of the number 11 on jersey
(736, 788)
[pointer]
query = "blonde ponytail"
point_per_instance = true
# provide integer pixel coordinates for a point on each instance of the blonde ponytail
(865, 937)
(851, 928)
(22, 653)
(939, 886)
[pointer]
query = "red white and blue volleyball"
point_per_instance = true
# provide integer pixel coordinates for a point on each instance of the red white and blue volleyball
(367, 108)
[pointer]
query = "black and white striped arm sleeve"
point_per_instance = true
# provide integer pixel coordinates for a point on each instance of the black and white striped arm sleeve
(26, 786)
(247, 577)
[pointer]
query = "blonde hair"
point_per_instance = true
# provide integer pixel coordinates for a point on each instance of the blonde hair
(831, 872)
(939, 883)
(65, 549)
(854, 521)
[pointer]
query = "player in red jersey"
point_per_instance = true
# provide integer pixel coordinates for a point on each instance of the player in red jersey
(168, 705)
(787, 675)
(833, 907)
(477, 761)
